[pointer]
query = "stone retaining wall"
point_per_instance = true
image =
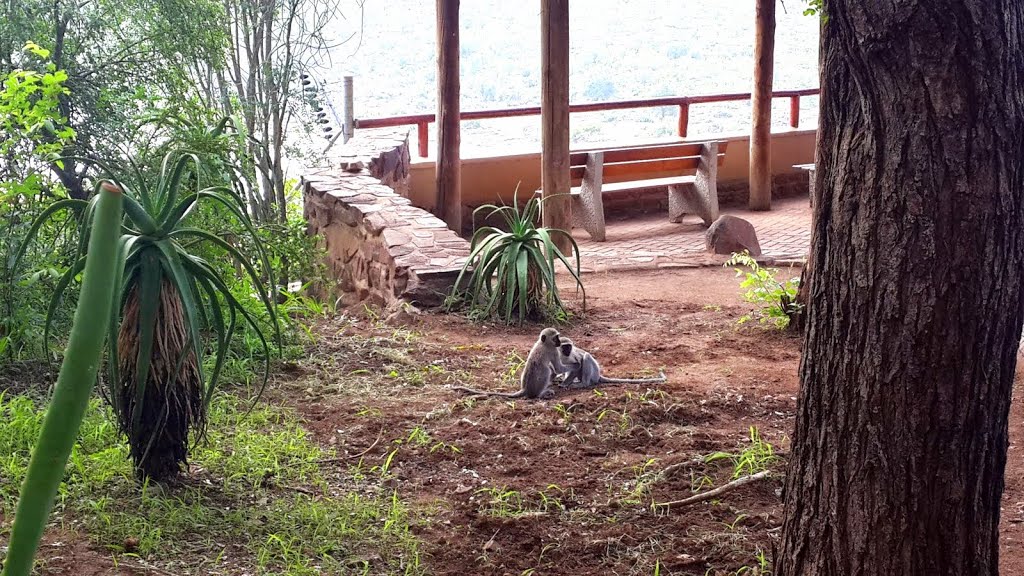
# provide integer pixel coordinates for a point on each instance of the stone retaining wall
(379, 248)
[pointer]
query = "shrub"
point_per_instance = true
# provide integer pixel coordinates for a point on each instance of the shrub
(171, 305)
(777, 300)
(511, 274)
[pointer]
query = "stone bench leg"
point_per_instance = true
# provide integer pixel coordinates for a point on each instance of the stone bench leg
(588, 208)
(702, 197)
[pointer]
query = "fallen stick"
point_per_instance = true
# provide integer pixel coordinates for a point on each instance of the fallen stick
(353, 457)
(672, 468)
(716, 492)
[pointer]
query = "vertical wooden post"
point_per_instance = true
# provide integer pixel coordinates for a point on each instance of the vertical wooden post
(684, 119)
(761, 129)
(449, 167)
(423, 139)
(554, 104)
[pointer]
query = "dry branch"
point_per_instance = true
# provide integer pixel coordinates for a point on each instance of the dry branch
(716, 492)
(673, 468)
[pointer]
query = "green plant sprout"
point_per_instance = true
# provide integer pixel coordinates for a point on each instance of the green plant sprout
(777, 300)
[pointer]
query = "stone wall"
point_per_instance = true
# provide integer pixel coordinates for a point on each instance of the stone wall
(379, 248)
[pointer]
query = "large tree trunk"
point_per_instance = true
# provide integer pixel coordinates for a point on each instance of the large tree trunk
(916, 302)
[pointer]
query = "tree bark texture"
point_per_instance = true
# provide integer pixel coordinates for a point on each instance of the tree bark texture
(761, 119)
(916, 302)
(557, 212)
(449, 166)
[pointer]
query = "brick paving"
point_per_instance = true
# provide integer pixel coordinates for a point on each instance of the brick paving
(378, 244)
(651, 241)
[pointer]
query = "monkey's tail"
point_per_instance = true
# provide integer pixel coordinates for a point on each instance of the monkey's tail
(473, 392)
(661, 378)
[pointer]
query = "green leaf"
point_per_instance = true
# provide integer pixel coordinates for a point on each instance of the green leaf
(148, 286)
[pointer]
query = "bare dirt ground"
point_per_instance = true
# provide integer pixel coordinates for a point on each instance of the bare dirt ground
(565, 486)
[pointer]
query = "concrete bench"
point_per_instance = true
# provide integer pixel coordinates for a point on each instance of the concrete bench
(810, 185)
(689, 171)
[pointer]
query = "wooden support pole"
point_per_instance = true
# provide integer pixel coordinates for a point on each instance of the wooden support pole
(761, 129)
(423, 139)
(684, 120)
(449, 166)
(554, 104)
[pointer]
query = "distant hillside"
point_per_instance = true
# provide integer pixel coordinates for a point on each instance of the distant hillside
(621, 49)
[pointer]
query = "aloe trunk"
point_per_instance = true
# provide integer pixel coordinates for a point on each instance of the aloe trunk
(74, 386)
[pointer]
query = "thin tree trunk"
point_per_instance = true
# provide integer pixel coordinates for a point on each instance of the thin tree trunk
(916, 301)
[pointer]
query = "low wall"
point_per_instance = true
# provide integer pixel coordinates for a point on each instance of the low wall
(379, 248)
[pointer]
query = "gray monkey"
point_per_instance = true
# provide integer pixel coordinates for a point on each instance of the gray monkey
(581, 366)
(541, 365)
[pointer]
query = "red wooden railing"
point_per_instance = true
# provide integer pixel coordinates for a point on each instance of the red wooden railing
(421, 121)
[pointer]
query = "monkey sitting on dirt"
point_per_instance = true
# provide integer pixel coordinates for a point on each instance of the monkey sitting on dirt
(541, 366)
(581, 366)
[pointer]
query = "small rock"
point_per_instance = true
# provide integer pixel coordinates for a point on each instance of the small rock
(130, 544)
(356, 166)
(731, 234)
(404, 315)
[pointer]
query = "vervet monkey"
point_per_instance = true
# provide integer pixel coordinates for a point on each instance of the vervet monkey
(580, 365)
(541, 366)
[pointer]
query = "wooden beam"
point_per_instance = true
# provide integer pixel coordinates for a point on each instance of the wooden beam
(449, 165)
(649, 152)
(554, 104)
(761, 129)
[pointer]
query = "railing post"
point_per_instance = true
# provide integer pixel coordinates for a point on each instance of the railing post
(794, 111)
(424, 139)
(348, 127)
(684, 119)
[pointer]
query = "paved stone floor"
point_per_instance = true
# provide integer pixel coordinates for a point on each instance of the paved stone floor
(651, 241)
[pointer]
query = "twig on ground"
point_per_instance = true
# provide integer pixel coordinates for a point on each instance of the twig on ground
(354, 456)
(716, 492)
(140, 566)
(673, 468)
(299, 489)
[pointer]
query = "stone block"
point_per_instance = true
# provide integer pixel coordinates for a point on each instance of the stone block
(429, 289)
(374, 223)
(731, 234)
(393, 237)
(341, 213)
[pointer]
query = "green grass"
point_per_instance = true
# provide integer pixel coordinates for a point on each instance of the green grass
(757, 457)
(505, 502)
(257, 498)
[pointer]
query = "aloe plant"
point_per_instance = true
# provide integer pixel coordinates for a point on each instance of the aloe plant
(74, 384)
(511, 274)
(168, 299)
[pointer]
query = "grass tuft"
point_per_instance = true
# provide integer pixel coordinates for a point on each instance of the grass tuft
(256, 497)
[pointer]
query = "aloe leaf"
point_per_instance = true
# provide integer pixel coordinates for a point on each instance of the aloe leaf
(58, 296)
(237, 256)
(147, 290)
(38, 223)
(71, 394)
(522, 268)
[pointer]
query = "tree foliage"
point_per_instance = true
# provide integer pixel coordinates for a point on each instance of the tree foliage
(124, 83)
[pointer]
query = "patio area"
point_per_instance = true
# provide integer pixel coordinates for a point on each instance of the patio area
(651, 241)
